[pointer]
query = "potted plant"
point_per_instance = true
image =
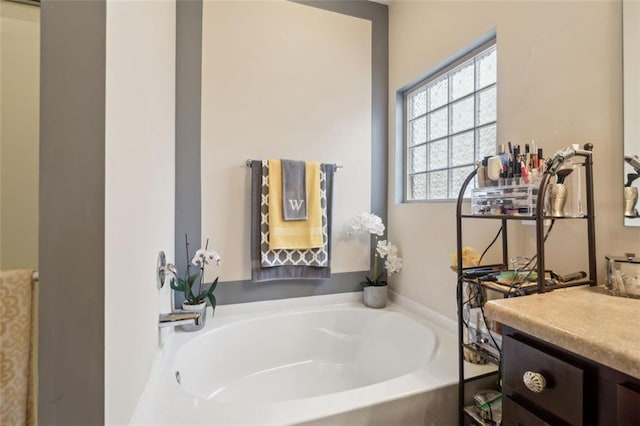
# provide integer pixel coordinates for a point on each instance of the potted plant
(197, 293)
(375, 287)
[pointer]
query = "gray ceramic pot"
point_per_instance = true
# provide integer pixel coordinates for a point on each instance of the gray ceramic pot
(375, 296)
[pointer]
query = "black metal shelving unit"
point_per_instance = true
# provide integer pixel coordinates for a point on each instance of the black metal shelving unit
(538, 286)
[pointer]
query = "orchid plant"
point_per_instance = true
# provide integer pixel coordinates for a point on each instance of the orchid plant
(197, 295)
(385, 251)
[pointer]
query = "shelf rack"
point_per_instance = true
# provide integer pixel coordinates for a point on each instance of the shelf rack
(540, 285)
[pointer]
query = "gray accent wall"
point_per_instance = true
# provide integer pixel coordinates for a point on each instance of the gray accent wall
(71, 247)
(247, 291)
(188, 129)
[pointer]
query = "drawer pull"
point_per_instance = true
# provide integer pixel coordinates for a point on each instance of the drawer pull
(535, 382)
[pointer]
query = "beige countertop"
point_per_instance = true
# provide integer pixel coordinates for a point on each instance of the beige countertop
(583, 320)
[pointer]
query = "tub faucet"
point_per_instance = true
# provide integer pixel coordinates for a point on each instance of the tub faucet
(174, 319)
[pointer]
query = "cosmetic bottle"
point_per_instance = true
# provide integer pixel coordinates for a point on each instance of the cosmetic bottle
(504, 157)
(533, 163)
(494, 168)
(575, 186)
(540, 164)
(482, 177)
(517, 165)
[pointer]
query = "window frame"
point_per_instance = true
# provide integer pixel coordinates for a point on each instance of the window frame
(425, 80)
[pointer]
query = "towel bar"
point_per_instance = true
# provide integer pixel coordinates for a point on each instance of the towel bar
(248, 164)
(35, 276)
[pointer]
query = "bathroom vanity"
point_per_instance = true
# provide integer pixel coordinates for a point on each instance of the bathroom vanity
(579, 349)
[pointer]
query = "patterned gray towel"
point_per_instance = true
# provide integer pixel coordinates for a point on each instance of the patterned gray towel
(309, 257)
(285, 272)
(294, 190)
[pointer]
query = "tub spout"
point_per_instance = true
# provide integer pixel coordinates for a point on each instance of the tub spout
(174, 319)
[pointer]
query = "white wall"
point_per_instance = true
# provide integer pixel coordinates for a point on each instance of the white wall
(282, 80)
(19, 117)
(139, 217)
(559, 81)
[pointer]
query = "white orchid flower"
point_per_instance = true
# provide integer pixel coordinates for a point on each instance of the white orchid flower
(376, 226)
(366, 222)
(385, 249)
(393, 264)
(382, 248)
(200, 256)
(203, 256)
(360, 223)
(213, 256)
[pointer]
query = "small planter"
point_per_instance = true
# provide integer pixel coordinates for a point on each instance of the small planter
(202, 308)
(375, 296)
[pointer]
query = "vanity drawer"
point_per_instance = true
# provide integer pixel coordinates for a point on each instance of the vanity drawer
(561, 395)
(628, 403)
(514, 414)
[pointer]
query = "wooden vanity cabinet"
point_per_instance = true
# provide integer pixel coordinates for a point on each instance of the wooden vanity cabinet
(562, 388)
(628, 403)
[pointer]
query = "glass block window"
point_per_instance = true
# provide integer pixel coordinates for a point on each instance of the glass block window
(450, 123)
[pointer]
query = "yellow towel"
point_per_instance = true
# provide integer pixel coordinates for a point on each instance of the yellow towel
(298, 234)
(18, 348)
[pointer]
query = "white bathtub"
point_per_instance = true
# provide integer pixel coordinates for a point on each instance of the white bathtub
(322, 359)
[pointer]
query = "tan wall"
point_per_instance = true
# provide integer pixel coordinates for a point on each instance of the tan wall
(282, 80)
(559, 81)
(19, 117)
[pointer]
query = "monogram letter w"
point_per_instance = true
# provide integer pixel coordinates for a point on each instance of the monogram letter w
(296, 204)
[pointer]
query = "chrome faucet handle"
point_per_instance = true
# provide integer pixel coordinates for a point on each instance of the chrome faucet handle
(164, 268)
(171, 269)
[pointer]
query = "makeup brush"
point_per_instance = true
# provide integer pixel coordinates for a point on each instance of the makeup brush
(562, 174)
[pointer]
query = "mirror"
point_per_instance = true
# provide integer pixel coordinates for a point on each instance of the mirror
(631, 96)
